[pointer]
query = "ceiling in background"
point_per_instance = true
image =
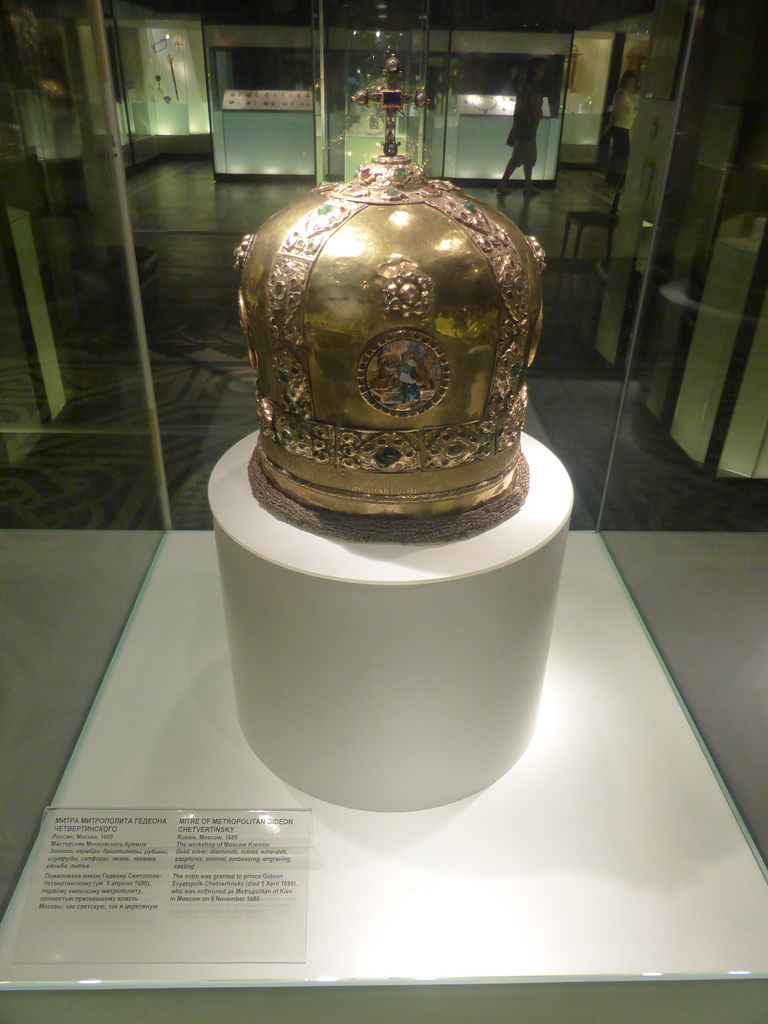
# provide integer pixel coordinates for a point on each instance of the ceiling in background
(510, 16)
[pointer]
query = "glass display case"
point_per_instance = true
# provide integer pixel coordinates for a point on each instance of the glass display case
(683, 529)
(83, 498)
(261, 89)
(586, 96)
(159, 74)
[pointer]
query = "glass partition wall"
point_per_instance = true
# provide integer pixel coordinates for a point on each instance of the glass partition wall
(685, 507)
(75, 392)
(82, 477)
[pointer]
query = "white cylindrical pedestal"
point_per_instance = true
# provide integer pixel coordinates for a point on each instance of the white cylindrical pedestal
(384, 676)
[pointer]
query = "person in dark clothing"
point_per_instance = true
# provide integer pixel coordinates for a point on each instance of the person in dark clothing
(529, 107)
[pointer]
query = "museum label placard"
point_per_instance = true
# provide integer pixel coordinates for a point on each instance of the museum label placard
(168, 886)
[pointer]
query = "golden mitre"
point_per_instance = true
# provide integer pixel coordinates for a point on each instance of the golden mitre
(391, 320)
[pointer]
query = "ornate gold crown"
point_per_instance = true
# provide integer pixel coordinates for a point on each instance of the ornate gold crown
(391, 320)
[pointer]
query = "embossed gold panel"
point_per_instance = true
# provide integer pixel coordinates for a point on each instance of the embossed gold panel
(391, 320)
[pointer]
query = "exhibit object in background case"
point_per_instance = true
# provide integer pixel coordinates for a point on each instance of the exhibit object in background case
(391, 320)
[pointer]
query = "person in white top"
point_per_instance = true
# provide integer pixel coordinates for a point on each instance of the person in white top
(619, 127)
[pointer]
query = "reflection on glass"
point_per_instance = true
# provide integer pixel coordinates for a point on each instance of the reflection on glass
(694, 249)
(485, 71)
(76, 439)
(81, 502)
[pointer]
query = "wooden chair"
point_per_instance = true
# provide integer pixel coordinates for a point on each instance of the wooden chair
(607, 219)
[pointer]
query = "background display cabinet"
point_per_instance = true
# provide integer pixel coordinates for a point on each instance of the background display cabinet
(485, 68)
(586, 96)
(261, 89)
(159, 73)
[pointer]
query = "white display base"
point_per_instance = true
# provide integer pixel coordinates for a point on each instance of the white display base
(607, 852)
(389, 677)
